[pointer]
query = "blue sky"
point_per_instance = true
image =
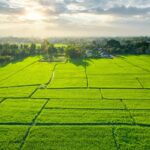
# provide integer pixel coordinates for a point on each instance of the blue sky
(59, 18)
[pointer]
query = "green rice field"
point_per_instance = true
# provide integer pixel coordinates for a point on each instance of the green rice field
(93, 104)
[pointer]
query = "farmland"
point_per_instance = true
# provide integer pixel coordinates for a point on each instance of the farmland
(87, 104)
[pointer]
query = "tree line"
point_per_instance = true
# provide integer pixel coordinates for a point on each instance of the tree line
(10, 52)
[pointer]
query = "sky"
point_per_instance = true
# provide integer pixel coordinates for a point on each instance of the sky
(74, 18)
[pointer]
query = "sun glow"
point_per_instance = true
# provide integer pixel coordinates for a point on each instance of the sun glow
(34, 16)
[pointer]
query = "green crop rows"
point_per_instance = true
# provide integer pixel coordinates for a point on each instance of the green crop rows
(94, 104)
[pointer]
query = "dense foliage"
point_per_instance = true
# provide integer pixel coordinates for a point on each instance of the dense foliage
(76, 49)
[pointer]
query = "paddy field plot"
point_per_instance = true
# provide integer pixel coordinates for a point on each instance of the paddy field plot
(126, 93)
(70, 137)
(68, 93)
(132, 138)
(11, 136)
(17, 91)
(92, 104)
(15, 67)
(84, 103)
(38, 73)
(19, 111)
(68, 75)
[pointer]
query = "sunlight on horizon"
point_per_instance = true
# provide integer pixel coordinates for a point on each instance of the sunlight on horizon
(33, 15)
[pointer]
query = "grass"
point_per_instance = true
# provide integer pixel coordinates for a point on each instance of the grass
(70, 138)
(67, 93)
(141, 116)
(16, 91)
(11, 136)
(139, 63)
(81, 104)
(113, 81)
(15, 67)
(60, 45)
(83, 116)
(132, 138)
(66, 83)
(31, 75)
(126, 93)
(145, 80)
(19, 111)
(137, 104)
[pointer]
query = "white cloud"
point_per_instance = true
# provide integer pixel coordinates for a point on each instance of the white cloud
(69, 17)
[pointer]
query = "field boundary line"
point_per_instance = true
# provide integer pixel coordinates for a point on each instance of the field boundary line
(19, 71)
(76, 88)
(3, 87)
(137, 66)
(82, 108)
(134, 122)
(30, 95)
(74, 124)
(115, 140)
(32, 124)
(102, 97)
(91, 124)
(109, 99)
(3, 99)
(109, 88)
(139, 82)
(52, 75)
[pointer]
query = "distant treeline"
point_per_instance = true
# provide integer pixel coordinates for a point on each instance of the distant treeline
(11, 52)
(78, 48)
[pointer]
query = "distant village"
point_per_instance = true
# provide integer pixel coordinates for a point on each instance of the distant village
(100, 54)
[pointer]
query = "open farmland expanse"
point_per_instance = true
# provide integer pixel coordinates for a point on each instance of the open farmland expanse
(92, 104)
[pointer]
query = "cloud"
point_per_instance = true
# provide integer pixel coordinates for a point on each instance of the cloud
(6, 7)
(71, 16)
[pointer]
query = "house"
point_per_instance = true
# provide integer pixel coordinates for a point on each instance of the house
(99, 54)
(89, 53)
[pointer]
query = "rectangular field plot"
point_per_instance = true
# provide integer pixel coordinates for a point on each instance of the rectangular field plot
(38, 73)
(80, 103)
(69, 74)
(83, 116)
(113, 81)
(126, 93)
(145, 81)
(102, 66)
(127, 67)
(11, 137)
(133, 138)
(68, 82)
(17, 91)
(141, 116)
(77, 65)
(70, 138)
(68, 93)
(137, 104)
(138, 62)
(19, 111)
(12, 68)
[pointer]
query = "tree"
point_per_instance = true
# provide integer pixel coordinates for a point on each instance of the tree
(51, 51)
(44, 46)
(73, 51)
(33, 48)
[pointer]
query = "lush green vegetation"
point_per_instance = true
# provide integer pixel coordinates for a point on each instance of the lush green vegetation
(69, 137)
(22, 110)
(78, 104)
(79, 48)
(11, 136)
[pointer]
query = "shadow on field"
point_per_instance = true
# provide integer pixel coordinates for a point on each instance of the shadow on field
(14, 61)
(80, 62)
